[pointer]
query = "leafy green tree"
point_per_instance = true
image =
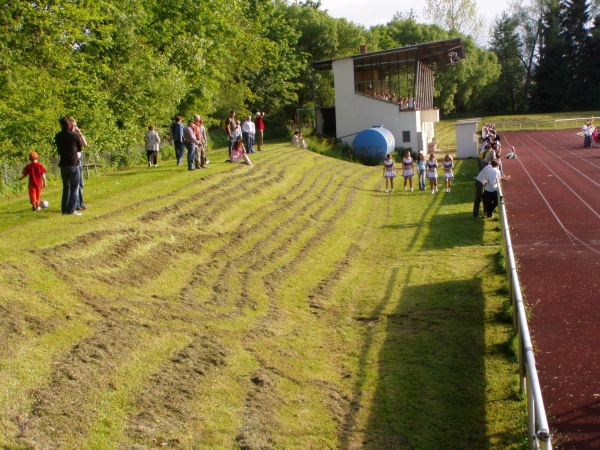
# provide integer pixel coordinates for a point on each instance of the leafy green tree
(458, 15)
(506, 45)
(529, 16)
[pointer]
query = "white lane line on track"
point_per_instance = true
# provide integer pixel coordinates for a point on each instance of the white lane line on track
(560, 178)
(564, 228)
(575, 155)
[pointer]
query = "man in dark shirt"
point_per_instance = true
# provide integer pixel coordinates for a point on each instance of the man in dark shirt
(176, 136)
(68, 144)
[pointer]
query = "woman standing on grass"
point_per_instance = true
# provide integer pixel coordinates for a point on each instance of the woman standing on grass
(152, 146)
(448, 175)
(421, 171)
(432, 174)
(408, 170)
(389, 171)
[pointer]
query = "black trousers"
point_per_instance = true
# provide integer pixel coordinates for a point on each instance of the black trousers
(490, 201)
(478, 197)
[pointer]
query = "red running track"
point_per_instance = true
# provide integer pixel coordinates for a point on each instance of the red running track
(553, 204)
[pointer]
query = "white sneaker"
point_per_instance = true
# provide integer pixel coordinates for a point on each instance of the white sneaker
(432, 191)
(436, 189)
(386, 191)
(392, 190)
(77, 213)
(207, 161)
(404, 187)
(411, 189)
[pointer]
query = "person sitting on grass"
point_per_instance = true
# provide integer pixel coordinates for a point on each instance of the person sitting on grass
(37, 180)
(239, 152)
(298, 140)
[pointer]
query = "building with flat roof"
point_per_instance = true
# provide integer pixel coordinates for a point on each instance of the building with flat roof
(393, 88)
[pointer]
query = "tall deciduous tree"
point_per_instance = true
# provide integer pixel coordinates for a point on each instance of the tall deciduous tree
(529, 16)
(459, 15)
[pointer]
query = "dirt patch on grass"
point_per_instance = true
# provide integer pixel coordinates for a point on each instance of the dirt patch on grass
(64, 409)
(259, 417)
(164, 410)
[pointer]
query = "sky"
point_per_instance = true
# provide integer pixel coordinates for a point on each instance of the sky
(377, 12)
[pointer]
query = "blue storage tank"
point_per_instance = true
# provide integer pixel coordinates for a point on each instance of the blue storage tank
(371, 145)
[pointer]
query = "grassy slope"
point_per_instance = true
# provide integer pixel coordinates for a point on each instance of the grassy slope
(288, 305)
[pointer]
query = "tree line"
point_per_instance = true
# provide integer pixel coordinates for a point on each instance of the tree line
(119, 66)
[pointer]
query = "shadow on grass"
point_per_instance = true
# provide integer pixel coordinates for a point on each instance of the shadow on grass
(447, 231)
(432, 385)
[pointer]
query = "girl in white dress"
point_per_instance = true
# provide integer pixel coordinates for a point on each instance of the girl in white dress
(448, 175)
(408, 170)
(432, 174)
(389, 171)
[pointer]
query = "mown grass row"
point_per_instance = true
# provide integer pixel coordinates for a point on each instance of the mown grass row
(288, 305)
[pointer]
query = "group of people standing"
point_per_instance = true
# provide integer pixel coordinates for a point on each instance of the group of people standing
(192, 138)
(241, 138)
(245, 135)
(425, 169)
(490, 171)
(591, 134)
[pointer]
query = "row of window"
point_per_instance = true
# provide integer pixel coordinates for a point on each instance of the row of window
(389, 76)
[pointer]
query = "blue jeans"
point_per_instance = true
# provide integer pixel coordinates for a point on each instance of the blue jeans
(249, 138)
(70, 180)
(191, 153)
(80, 203)
(179, 151)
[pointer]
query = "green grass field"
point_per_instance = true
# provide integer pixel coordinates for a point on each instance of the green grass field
(289, 305)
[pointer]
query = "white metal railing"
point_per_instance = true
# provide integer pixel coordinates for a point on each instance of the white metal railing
(538, 431)
(543, 124)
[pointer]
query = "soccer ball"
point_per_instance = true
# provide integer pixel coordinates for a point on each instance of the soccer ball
(44, 203)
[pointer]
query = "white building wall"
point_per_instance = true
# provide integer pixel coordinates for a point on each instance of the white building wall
(354, 112)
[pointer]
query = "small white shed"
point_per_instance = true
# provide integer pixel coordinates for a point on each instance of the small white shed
(467, 139)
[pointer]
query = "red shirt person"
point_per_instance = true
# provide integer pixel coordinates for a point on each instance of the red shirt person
(37, 179)
(260, 128)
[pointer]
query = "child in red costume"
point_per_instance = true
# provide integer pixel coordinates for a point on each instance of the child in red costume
(37, 180)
